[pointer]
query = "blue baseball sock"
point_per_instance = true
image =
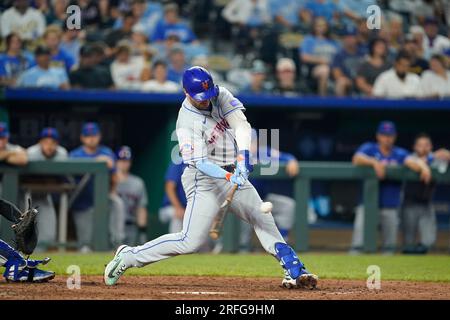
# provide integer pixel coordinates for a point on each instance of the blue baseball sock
(284, 233)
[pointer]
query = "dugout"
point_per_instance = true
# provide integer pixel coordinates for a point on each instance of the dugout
(314, 129)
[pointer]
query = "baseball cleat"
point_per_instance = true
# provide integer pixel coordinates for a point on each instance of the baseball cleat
(30, 275)
(115, 268)
(305, 281)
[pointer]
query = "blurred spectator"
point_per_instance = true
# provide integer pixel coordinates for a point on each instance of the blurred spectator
(418, 64)
(55, 11)
(258, 84)
(52, 40)
(147, 14)
(43, 75)
(286, 78)
(434, 43)
(354, 10)
(418, 214)
(164, 48)
(71, 44)
(405, 8)
(436, 81)
(418, 34)
(83, 206)
(10, 153)
(159, 83)
(174, 201)
(47, 149)
(392, 31)
(372, 67)
(14, 61)
(28, 22)
(90, 13)
(131, 189)
(379, 155)
(249, 17)
(127, 71)
(125, 31)
(177, 64)
(398, 82)
(317, 51)
(326, 9)
(290, 14)
(171, 24)
(89, 74)
(139, 44)
(346, 62)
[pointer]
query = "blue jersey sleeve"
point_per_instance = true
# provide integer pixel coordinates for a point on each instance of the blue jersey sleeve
(401, 155)
(286, 157)
(307, 46)
(366, 149)
(158, 34)
(76, 153)
(191, 36)
(173, 172)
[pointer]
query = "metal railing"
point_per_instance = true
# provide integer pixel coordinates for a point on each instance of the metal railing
(98, 171)
(328, 171)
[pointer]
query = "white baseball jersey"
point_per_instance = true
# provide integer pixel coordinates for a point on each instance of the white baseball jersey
(206, 134)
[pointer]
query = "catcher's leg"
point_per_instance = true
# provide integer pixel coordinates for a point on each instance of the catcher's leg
(18, 269)
(246, 204)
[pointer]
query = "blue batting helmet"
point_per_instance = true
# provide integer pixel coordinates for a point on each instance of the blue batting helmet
(198, 83)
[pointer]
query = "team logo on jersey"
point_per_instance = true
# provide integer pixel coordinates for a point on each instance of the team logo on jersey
(205, 85)
(186, 149)
(235, 102)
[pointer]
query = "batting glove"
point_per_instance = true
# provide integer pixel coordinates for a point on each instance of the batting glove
(243, 166)
(235, 179)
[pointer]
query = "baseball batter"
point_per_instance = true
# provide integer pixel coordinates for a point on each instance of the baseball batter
(214, 140)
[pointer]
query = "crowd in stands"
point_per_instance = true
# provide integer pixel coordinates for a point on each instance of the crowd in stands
(286, 47)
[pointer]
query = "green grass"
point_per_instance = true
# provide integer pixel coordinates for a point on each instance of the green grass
(327, 266)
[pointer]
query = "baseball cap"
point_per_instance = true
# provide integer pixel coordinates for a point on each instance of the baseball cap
(258, 67)
(4, 130)
(124, 153)
(285, 64)
(387, 128)
(90, 129)
(50, 132)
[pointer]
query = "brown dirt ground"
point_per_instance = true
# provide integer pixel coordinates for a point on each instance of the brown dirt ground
(221, 288)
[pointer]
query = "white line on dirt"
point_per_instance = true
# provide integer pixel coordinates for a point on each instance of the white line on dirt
(197, 292)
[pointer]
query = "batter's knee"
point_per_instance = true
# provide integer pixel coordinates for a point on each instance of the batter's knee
(191, 245)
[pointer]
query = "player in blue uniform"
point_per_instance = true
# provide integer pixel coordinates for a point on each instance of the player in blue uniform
(379, 155)
(174, 201)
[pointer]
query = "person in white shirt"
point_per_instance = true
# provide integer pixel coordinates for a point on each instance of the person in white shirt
(397, 82)
(244, 12)
(436, 81)
(28, 22)
(433, 42)
(159, 83)
(128, 71)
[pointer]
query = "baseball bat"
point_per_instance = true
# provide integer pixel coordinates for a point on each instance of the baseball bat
(216, 227)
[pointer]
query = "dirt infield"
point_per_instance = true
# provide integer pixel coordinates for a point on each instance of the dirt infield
(222, 288)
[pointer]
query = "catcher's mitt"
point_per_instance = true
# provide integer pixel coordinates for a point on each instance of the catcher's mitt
(24, 226)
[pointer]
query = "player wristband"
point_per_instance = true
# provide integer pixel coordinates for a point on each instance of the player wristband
(228, 176)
